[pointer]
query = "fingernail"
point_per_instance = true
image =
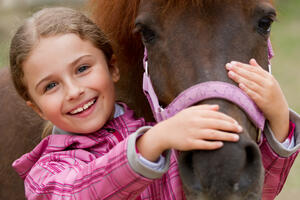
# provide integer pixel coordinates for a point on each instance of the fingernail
(236, 137)
(231, 73)
(240, 128)
(233, 62)
(228, 66)
(220, 144)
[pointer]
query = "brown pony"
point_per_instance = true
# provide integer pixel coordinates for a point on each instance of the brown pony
(188, 42)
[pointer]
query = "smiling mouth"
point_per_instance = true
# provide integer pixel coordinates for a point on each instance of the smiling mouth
(83, 107)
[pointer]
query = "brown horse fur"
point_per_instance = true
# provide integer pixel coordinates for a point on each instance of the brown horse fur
(20, 128)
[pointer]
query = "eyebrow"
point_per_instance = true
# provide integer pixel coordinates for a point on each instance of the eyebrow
(70, 64)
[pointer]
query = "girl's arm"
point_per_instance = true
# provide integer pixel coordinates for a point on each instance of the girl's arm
(198, 127)
(76, 174)
(281, 126)
(278, 160)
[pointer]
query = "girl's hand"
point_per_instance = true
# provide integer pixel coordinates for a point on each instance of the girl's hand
(197, 127)
(265, 91)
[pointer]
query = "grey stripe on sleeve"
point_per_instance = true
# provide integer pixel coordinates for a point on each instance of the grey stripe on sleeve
(134, 159)
(276, 145)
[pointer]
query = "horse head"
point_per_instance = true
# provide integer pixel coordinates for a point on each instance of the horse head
(189, 42)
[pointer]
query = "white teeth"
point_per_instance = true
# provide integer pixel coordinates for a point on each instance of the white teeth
(84, 107)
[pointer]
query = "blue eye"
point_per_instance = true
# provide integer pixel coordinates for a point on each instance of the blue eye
(50, 86)
(82, 68)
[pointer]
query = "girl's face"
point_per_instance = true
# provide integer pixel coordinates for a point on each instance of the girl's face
(70, 83)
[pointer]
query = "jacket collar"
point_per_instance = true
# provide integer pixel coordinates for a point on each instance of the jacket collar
(119, 110)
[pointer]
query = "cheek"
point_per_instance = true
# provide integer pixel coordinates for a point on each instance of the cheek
(102, 83)
(50, 106)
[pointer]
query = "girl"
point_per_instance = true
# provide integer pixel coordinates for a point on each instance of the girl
(64, 68)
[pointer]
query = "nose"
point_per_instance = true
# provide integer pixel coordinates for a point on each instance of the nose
(228, 173)
(73, 90)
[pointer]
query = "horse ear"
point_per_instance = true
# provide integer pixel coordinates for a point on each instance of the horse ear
(36, 109)
(114, 69)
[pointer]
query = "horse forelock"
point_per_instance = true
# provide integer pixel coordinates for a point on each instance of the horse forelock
(206, 6)
(116, 18)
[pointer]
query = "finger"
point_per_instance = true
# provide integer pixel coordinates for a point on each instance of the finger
(206, 145)
(254, 63)
(253, 85)
(210, 134)
(253, 66)
(218, 124)
(255, 96)
(214, 107)
(214, 115)
(247, 73)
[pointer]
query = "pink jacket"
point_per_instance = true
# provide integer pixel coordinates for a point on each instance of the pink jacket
(104, 165)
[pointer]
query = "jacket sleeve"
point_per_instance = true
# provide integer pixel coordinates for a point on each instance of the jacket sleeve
(65, 176)
(141, 167)
(278, 160)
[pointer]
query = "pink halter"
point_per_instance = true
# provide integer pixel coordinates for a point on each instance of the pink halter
(202, 91)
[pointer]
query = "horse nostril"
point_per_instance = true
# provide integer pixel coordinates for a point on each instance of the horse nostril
(252, 168)
(187, 159)
(186, 166)
(251, 153)
(253, 157)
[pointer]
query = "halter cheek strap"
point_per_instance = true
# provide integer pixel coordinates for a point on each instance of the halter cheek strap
(270, 50)
(270, 54)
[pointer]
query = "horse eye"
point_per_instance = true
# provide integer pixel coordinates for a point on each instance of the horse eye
(264, 25)
(148, 35)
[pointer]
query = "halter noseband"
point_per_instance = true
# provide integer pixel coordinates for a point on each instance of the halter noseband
(203, 91)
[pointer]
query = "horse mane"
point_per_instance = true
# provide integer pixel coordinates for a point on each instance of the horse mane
(117, 19)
